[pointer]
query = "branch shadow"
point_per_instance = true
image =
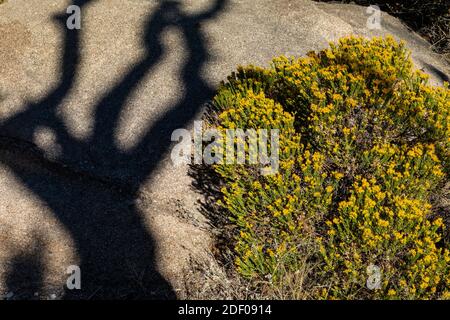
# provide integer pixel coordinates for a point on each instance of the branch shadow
(116, 251)
(25, 274)
(441, 75)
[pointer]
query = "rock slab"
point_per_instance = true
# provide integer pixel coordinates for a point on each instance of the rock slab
(86, 118)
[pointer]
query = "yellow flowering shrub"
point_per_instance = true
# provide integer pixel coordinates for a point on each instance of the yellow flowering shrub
(383, 221)
(272, 212)
(364, 144)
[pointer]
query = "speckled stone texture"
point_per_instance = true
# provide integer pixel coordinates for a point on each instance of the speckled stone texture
(85, 123)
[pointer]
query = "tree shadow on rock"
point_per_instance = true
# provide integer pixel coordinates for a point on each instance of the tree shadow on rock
(24, 277)
(92, 186)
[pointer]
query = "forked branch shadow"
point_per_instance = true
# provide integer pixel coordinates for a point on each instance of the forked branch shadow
(115, 248)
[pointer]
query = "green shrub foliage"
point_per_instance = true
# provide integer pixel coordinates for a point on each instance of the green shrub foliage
(364, 143)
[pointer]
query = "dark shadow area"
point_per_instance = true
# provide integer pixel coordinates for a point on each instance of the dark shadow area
(24, 277)
(96, 202)
(437, 72)
(208, 183)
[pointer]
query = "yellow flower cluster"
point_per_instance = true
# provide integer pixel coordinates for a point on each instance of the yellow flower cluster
(272, 212)
(382, 222)
(364, 144)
